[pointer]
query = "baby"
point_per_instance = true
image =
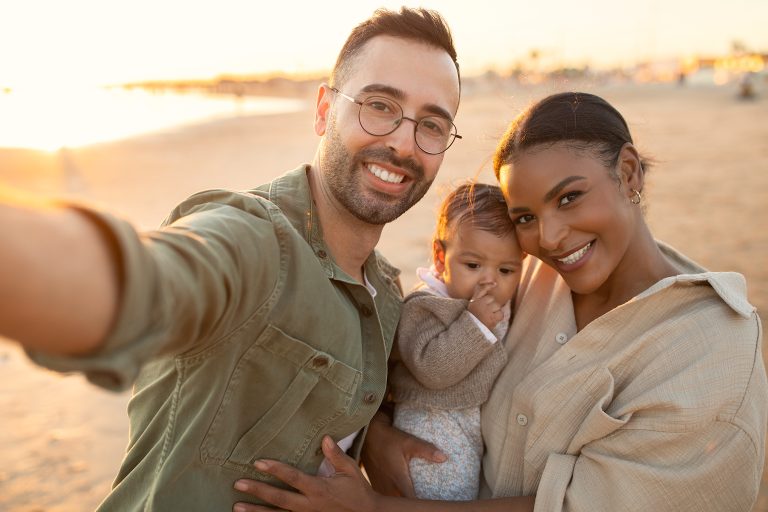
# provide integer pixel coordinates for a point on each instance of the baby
(450, 338)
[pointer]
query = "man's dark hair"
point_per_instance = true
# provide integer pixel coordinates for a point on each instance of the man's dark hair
(419, 24)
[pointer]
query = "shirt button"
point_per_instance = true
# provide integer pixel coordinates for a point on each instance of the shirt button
(561, 338)
(320, 361)
(369, 398)
(522, 420)
(322, 254)
(365, 310)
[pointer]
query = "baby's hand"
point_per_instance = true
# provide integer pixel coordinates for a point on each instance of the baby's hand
(484, 306)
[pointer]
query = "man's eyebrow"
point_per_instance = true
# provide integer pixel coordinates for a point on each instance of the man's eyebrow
(399, 95)
(396, 93)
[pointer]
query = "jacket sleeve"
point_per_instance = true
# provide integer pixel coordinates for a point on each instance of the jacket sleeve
(439, 342)
(185, 285)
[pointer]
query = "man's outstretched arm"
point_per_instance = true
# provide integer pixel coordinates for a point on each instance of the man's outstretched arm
(59, 279)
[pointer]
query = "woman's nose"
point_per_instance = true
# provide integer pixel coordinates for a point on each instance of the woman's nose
(551, 233)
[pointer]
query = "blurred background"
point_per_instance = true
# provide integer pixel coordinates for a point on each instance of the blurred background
(133, 106)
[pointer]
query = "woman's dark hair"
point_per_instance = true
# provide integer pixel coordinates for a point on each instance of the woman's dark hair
(585, 120)
(478, 203)
(419, 24)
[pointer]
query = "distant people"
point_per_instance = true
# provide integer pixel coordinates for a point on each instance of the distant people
(747, 86)
(635, 379)
(450, 338)
(252, 323)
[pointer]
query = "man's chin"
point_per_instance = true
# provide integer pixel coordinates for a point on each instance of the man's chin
(377, 213)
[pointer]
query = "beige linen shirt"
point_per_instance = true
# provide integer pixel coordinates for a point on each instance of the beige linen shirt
(660, 404)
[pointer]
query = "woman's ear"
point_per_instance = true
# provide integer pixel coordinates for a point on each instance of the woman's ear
(322, 109)
(438, 256)
(630, 170)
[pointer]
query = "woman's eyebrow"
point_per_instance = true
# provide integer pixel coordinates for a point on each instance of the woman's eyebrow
(560, 186)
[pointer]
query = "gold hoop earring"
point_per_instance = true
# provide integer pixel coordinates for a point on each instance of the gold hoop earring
(636, 198)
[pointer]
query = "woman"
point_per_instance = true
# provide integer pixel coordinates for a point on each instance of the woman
(635, 379)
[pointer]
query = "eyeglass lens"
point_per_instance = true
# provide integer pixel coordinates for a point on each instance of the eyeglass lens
(381, 116)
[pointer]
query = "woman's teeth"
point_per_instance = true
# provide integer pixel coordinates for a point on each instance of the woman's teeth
(385, 175)
(576, 256)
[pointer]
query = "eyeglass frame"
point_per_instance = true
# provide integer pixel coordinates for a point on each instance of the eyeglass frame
(415, 122)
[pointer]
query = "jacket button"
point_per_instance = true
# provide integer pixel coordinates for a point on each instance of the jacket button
(320, 362)
(369, 398)
(561, 338)
(522, 420)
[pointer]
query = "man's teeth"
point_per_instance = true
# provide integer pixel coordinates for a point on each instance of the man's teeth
(573, 258)
(385, 175)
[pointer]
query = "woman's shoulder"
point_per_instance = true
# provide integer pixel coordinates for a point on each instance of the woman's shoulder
(729, 289)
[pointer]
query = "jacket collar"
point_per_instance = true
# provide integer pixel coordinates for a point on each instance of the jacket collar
(292, 195)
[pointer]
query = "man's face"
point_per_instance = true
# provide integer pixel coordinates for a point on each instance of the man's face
(378, 178)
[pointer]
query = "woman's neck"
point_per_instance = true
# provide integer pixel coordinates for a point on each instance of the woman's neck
(642, 266)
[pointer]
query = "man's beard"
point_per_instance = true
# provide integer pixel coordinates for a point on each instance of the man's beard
(343, 173)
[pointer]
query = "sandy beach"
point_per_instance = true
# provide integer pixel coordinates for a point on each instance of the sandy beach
(62, 439)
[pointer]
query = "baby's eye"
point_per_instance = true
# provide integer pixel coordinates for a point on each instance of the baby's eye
(506, 270)
(473, 266)
(523, 219)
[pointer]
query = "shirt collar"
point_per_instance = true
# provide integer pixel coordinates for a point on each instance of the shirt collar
(292, 194)
(731, 287)
(428, 276)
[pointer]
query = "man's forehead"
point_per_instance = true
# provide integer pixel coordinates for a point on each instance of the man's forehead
(408, 70)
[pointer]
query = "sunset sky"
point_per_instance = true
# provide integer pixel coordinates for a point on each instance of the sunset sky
(106, 41)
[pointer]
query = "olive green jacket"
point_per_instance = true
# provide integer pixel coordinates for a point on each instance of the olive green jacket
(245, 341)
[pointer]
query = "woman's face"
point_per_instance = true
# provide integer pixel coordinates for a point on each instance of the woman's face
(571, 213)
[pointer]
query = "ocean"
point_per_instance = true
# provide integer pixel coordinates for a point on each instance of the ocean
(51, 119)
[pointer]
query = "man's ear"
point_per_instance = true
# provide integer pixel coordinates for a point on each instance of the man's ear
(322, 109)
(438, 256)
(630, 169)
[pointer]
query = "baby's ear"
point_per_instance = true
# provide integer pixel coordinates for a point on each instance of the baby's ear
(438, 256)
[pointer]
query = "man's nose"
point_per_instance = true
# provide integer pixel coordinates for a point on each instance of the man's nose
(403, 140)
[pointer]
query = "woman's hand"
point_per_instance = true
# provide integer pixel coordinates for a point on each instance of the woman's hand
(345, 491)
(386, 454)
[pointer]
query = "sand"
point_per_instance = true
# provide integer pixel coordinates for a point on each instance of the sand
(62, 439)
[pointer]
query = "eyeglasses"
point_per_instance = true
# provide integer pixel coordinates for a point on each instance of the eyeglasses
(381, 116)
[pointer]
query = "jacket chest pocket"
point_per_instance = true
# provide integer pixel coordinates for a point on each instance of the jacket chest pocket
(281, 393)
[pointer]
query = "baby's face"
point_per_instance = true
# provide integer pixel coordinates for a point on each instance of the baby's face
(472, 257)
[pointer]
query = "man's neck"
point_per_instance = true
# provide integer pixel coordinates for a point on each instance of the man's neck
(350, 240)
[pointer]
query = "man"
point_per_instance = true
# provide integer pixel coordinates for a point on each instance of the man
(252, 323)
